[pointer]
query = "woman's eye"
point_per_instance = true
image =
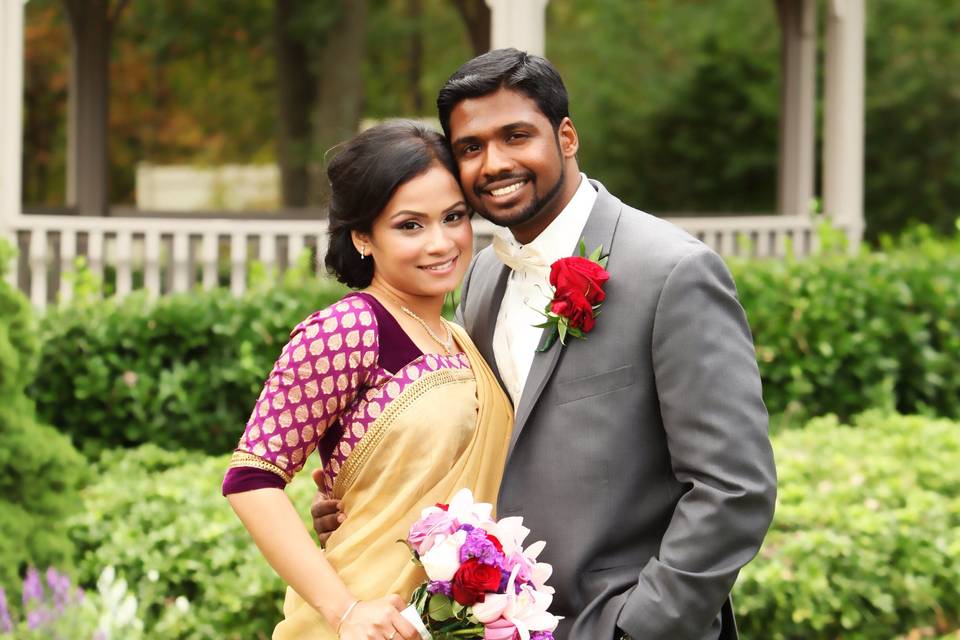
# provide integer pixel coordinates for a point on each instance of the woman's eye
(409, 225)
(454, 216)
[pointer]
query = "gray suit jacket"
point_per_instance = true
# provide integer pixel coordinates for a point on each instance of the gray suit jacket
(641, 453)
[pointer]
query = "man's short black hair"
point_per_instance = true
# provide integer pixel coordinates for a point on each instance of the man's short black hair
(533, 76)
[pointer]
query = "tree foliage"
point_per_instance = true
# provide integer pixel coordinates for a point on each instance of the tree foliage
(676, 102)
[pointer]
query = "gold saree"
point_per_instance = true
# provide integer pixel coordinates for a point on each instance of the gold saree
(448, 430)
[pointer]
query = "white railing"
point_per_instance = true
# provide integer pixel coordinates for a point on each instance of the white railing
(165, 255)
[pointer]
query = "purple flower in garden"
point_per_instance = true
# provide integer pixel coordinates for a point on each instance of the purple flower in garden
(440, 586)
(6, 624)
(60, 588)
(32, 587)
(37, 618)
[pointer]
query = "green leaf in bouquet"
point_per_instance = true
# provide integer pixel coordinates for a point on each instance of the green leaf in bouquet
(440, 608)
(419, 598)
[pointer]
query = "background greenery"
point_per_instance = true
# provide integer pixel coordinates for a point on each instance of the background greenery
(865, 543)
(41, 470)
(676, 102)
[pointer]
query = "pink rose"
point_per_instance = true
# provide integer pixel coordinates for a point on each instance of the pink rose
(425, 531)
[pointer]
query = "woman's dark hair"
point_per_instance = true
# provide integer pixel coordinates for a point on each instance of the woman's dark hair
(363, 175)
(530, 75)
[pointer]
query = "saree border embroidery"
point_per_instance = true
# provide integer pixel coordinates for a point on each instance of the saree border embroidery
(241, 459)
(379, 427)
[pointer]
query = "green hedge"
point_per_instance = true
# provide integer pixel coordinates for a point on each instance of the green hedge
(834, 334)
(841, 334)
(865, 542)
(159, 518)
(41, 470)
(180, 372)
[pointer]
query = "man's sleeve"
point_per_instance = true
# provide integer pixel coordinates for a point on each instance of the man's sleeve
(715, 421)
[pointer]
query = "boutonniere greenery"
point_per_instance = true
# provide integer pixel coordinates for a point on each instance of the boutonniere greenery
(577, 283)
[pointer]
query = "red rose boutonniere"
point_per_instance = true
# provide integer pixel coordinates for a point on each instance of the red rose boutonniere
(577, 284)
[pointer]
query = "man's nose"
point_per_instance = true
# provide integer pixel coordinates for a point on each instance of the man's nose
(495, 161)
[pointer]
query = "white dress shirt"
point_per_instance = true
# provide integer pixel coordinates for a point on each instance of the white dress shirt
(515, 338)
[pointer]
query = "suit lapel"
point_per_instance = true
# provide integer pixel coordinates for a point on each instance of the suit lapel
(488, 303)
(598, 231)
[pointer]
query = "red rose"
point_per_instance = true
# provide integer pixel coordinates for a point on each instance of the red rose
(575, 307)
(580, 275)
(473, 580)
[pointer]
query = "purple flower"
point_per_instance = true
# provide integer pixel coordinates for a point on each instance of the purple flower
(32, 587)
(541, 635)
(37, 618)
(479, 546)
(60, 588)
(6, 625)
(440, 586)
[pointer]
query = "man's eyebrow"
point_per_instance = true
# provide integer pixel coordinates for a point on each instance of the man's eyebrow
(507, 128)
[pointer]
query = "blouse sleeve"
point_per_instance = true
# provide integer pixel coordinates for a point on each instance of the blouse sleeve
(329, 360)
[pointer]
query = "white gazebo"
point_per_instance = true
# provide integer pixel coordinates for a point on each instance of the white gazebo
(170, 251)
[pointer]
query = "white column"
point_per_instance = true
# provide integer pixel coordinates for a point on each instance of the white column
(844, 116)
(798, 29)
(519, 24)
(11, 112)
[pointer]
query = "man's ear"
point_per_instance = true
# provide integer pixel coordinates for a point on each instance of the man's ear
(361, 241)
(567, 138)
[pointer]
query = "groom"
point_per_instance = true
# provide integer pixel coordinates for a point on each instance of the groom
(640, 453)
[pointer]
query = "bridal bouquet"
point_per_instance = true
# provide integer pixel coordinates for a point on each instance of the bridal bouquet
(482, 583)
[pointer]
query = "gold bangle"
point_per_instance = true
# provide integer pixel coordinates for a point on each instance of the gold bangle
(346, 613)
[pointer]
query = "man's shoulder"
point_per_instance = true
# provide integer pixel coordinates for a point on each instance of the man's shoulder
(643, 240)
(485, 265)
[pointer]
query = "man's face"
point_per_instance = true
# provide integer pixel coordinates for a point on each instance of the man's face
(511, 160)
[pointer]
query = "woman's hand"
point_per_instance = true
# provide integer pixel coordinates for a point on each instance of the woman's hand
(378, 619)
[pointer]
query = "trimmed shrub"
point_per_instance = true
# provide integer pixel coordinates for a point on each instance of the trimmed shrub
(158, 517)
(866, 538)
(183, 371)
(41, 470)
(842, 334)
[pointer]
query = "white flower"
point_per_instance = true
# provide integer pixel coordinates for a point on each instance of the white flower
(153, 575)
(527, 611)
(182, 604)
(464, 510)
(443, 558)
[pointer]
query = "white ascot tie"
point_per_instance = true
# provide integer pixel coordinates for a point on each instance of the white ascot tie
(519, 257)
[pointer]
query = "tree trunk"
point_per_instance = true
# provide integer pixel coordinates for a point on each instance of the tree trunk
(340, 91)
(476, 18)
(415, 13)
(295, 95)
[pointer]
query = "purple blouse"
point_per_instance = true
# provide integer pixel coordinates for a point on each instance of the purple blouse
(342, 366)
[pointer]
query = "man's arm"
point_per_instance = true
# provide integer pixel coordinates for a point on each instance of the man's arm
(710, 399)
(327, 513)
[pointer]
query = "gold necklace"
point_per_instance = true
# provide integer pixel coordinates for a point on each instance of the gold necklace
(446, 344)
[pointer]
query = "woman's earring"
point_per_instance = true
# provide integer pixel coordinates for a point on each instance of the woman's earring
(363, 252)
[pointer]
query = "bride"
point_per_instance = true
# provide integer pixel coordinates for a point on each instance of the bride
(399, 403)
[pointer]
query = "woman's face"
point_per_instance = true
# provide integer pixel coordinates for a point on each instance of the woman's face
(422, 241)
